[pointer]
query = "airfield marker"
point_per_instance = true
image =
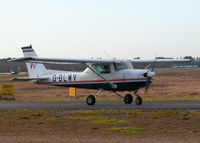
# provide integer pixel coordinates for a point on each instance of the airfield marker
(7, 91)
(72, 93)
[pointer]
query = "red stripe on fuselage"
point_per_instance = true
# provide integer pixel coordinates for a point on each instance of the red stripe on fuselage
(98, 81)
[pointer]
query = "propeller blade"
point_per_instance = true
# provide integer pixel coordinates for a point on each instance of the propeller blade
(148, 83)
(150, 67)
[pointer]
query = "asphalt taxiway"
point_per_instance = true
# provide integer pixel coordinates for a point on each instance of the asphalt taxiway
(100, 105)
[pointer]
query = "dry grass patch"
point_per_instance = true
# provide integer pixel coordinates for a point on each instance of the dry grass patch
(99, 124)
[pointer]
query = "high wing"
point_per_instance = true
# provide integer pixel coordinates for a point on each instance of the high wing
(61, 60)
(154, 61)
(100, 61)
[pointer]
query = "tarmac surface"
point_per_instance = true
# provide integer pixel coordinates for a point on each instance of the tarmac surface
(100, 105)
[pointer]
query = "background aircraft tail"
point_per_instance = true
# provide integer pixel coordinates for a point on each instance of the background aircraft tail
(35, 70)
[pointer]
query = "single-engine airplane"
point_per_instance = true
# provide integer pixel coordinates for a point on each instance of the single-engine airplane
(101, 74)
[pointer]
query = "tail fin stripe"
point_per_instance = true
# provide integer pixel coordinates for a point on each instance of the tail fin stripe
(26, 51)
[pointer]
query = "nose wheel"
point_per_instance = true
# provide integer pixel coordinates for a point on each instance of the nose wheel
(138, 100)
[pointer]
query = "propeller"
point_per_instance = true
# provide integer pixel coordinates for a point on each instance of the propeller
(151, 66)
(149, 74)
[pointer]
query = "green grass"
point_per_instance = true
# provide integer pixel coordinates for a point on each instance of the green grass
(90, 118)
(87, 112)
(128, 130)
(108, 121)
(97, 120)
(196, 113)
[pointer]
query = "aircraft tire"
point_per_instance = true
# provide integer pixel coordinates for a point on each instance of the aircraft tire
(91, 100)
(128, 99)
(138, 100)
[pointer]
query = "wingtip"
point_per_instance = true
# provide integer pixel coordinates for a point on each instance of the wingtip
(10, 60)
(21, 59)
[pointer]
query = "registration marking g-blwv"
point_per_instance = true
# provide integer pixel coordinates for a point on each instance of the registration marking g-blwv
(64, 78)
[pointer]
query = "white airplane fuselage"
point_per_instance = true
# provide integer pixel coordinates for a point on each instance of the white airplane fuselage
(100, 74)
(126, 79)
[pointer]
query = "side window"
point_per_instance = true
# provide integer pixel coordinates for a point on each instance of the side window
(102, 69)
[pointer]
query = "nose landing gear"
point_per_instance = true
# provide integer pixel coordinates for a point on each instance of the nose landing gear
(128, 98)
(138, 100)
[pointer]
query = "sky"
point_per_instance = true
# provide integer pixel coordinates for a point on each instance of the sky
(100, 28)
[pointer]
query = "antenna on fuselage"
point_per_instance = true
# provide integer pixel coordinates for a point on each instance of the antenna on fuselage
(107, 54)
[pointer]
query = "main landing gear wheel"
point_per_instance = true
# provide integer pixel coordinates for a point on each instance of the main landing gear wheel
(91, 100)
(128, 99)
(138, 100)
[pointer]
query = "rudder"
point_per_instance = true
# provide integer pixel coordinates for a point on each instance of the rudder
(35, 70)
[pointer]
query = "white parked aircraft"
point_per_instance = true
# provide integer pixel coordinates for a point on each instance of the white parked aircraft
(101, 74)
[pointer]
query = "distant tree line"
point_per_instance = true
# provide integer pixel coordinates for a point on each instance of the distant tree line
(186, 57)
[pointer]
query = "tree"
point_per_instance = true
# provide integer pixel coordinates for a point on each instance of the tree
(188, 57)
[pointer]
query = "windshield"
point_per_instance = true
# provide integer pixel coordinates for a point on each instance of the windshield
(120, 66)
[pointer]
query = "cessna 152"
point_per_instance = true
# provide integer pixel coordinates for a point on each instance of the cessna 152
(101, 74)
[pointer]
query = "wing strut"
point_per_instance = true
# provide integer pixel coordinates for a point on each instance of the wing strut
(114, 86)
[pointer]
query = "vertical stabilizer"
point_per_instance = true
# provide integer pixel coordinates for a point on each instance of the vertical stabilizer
(35, 70)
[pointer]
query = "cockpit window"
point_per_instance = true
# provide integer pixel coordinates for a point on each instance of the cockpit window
(120, 66)
(102, 69)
